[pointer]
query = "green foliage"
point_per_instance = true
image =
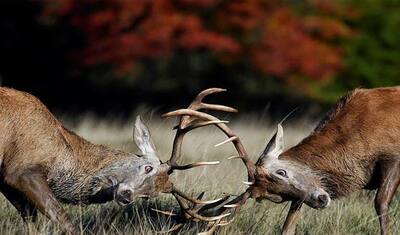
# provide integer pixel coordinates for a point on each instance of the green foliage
(373, 54)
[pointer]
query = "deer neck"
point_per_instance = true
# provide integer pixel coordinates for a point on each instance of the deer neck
(89, 173)
(77, 187)
(340, 167)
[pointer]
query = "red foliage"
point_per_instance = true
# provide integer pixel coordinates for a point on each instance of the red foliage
(283, 51)
(201, 3)
(270, 34)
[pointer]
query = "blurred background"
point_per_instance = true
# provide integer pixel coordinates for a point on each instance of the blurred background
(96, 63)
(113, 56)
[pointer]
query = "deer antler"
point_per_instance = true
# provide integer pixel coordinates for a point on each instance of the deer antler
(189, 122)
(191, 118)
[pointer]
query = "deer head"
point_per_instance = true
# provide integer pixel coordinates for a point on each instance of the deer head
(276, 179)
(148, 176)
(281, 180)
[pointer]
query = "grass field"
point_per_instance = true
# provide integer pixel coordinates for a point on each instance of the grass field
(353, 215)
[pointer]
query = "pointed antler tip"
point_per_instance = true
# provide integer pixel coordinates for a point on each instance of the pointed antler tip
(233, 138)
(233, 157)
(231, 205)
(218, 89)
(211, 201)
(225, 223)
(206, 163)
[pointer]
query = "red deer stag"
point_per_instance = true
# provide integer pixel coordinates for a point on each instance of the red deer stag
(43, 163)
(355, 146)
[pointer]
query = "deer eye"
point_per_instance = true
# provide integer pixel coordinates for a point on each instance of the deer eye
(281, 172)
(148, 169)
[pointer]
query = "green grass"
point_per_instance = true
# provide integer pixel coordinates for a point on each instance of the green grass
(352, 215)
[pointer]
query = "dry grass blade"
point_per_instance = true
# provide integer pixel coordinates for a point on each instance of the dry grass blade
(168, 213)
(174, 228)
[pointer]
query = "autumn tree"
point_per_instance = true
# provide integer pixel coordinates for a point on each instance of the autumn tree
(280, 39)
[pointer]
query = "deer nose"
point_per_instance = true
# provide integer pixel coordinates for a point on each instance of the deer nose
(323, 200)
(124, 196)
(319, 199)
(126, 193)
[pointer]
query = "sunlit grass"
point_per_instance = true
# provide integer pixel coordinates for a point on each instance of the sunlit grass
(353, 215)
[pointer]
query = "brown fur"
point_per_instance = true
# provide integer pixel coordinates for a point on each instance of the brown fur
(42, 162)
(361, 130)
(31, 134)
(355, 146)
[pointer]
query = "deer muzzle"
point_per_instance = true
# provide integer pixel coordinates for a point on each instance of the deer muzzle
(319, 199)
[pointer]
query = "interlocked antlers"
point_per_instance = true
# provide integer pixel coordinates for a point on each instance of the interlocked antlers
(191, 118)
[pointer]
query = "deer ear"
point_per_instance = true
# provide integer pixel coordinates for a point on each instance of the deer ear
(274, 147)
(142, 138)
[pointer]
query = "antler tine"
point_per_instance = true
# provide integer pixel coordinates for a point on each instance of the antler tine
(198, 101)
(196, 164)
(194, 201)
(213, 205)
(235, 203)
(239, 200)
(187, 124)
(213, 226)
(221, 212)
(191, 213)
(223, 127)
(198, 104)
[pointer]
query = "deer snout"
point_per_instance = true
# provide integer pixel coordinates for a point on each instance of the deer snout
(124, 195)
(323, 200)
(320, 199)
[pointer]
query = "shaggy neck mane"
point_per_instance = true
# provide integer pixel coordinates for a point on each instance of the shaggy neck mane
(88, 188)
(91, 173)
(336, 152)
